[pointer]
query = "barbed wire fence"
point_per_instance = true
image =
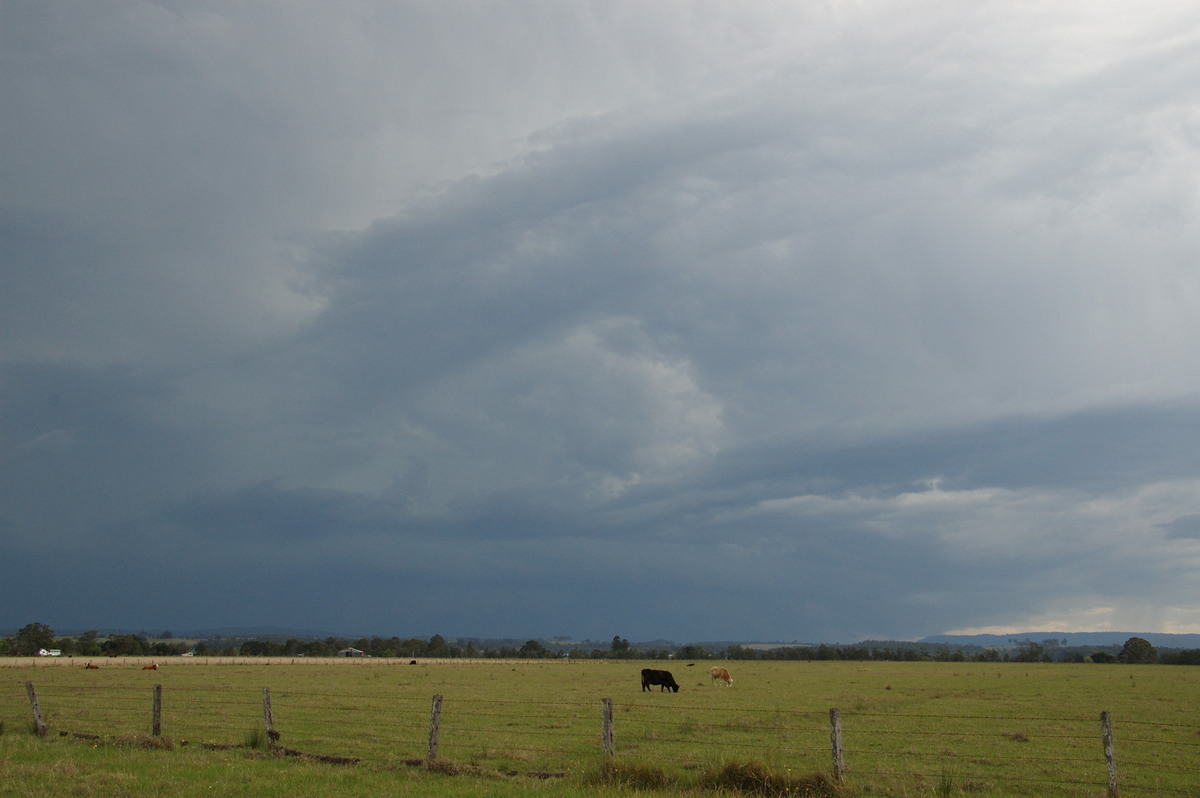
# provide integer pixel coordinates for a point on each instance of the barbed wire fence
(1073, 755)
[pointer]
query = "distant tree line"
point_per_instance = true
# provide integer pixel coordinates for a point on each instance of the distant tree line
(1135, 651)
(36, 637)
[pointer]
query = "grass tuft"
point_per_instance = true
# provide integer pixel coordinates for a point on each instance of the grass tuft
(447, 768)
(945, 786)
(633, 776)
(146, 741)
(753, 778)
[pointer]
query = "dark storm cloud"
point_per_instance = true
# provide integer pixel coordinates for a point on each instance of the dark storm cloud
(868, 322)
(1187, 526)
(267, 512)
(1094, 451)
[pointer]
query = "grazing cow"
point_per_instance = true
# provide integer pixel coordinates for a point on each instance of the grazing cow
(91, 667)
(722, 674)
(151, 667)
(663, 679)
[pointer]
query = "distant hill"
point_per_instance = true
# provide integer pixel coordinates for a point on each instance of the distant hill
(1073, 639)
(226, 633)
(265, 633)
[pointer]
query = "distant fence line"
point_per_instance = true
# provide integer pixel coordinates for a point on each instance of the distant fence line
(402, 734)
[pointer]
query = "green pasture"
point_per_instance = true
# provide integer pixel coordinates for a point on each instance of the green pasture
(519, 728)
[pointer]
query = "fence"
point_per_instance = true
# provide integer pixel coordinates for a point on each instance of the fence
(975, 753)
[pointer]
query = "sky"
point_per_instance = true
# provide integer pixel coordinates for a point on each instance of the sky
(784, 321)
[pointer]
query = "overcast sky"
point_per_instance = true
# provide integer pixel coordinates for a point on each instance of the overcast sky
(799, 321)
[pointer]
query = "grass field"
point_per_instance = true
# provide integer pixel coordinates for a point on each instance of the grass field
(520, 728)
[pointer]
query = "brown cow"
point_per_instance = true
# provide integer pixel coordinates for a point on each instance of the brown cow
(91, 667)
(722, 674)
(153, 666)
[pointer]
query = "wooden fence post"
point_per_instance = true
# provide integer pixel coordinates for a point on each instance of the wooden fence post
(435, 725)
(606, 734)
(269, 719)
(835, 739)
(156, 712)
(1110, 757)
(39, 722)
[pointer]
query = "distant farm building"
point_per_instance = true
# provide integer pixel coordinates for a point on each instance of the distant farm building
(49, 652)
(350, 652)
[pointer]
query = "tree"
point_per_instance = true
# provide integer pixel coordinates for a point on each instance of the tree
(127, 645)
(533, 650)
(1138, 651)
(620, 647)
(260, 648)
(88, 645)
(1187, 656)
(32, 638)
(692, 651)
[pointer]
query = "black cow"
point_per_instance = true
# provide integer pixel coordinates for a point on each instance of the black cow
(663, 679)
